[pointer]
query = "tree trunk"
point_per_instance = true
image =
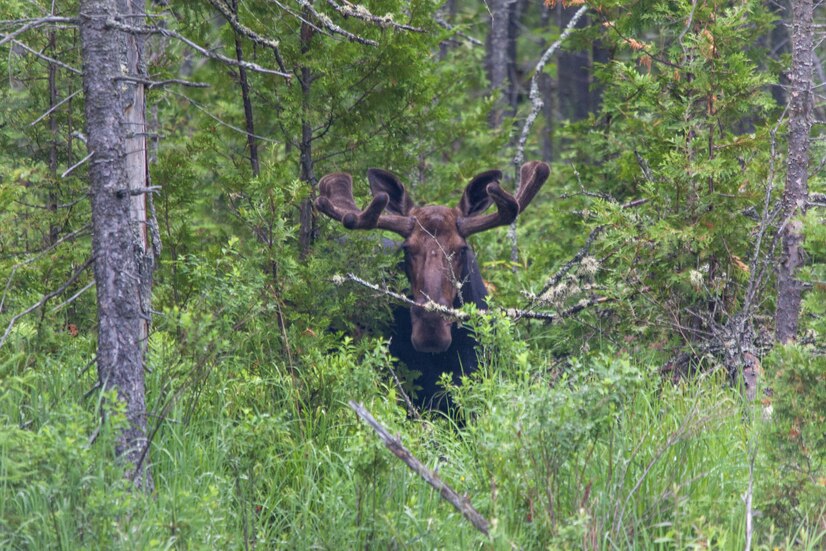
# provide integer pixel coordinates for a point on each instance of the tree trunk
(499, 54)
(115, 127)
(245, 96)
(306, 170)
(790, 289)
(574, 73)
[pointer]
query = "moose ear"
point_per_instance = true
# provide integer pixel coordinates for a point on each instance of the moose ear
(476, 200)
(382, 181)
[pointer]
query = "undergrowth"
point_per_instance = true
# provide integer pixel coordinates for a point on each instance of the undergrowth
(595, 452)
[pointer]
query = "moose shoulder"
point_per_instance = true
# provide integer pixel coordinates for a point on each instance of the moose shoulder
(437, 259)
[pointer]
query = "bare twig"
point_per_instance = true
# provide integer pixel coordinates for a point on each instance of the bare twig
(53, 107)
(201, 50)
(445, 25)
(429, 306)
(394, 444)
(77, 164)
(458, 315)
(49, 59)
(232, 19)
(536, 107)
(73, 297)
(33, 24)
(160, 83)
(33, 258)
(45, 299)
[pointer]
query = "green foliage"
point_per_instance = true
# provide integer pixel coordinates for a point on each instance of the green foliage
(566, 437)
(685, 126)
(796, 440)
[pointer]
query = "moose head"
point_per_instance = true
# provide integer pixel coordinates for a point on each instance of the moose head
(435, 237)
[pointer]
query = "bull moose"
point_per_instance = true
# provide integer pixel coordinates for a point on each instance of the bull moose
(440, 265)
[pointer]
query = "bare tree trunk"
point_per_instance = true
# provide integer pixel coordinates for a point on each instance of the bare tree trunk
(499, 55)
(574, 73)
(790, 289)
(115, 126)
(245, 95)
(307, 222)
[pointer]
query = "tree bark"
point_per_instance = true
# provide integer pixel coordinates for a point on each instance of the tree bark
(245, 96)
(790, 289)
(574, 73)
(115, 127)
(499, 57)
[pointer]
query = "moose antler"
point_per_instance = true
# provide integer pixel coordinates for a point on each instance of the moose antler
(336, 201)
(532, 175)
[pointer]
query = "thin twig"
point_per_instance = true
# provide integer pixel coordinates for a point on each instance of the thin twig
(328, 24)
(73, 297)
(394, 444)
(201, 50)
(33, 258)
(35, 23)
(160, 83)
(49, 59)
(348, 9)
(77, 164)
(536, 106)
(45, 299)
(445, 25)
(53, 107)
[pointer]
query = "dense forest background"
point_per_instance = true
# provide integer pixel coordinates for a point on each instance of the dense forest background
(180, 338)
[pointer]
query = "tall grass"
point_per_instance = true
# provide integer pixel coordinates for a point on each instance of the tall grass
(595, 453)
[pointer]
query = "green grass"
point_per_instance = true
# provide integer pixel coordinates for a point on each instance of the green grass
(607, 456)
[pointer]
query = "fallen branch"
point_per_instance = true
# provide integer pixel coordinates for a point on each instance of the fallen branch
(394, 444)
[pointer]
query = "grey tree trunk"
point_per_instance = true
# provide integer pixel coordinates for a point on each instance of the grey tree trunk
(790, 289)
(116, 131)
(499, 56)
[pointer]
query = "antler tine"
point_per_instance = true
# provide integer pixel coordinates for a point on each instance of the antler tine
(531, 177)
(336, 201)
(506, 210)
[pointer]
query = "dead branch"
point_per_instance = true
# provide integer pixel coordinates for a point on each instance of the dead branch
(536, 98)
(201, 50)
(394, 444)
(77, 164)
(232, 19)
(357, 11)
(45, 299)
(160, 83)
(457, 315)
(72, 298)
(328, 24)
(68, 237)
(48, 59)
(30, 24)
(53, 107)
(447, 26)
(429, 306)
(536, 106)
